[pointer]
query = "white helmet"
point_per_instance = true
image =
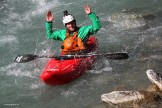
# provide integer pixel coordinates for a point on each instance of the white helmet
(67, 18)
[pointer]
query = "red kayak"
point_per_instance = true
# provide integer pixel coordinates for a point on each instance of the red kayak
(59, 72)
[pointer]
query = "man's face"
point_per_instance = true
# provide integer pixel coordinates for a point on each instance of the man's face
(71, 26)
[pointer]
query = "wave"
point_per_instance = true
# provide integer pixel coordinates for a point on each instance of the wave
(19, 70)
(10, 39)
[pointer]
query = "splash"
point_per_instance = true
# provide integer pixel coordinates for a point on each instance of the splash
(100, 67)
(43, 3)
(8, 40)
(18, 70)
(16, 20)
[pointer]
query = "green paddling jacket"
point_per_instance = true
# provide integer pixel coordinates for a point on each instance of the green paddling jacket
(84, 32)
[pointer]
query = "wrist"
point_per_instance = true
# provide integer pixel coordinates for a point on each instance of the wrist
(89, 13)
(49, 21)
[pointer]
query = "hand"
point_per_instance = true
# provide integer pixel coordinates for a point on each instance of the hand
(49, 16)
(87, 9)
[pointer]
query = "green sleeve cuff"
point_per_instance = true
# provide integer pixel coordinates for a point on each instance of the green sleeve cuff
(92, 15)
(48, 22)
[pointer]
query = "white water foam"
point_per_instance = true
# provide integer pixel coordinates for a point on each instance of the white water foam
(17, 70)
(16, 21)
(73, 90)
(43, 3)
(8, 40)
(70, 92)
(36, 85)
(101, 67)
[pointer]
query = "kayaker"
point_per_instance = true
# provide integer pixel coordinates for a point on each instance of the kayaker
(74, 38)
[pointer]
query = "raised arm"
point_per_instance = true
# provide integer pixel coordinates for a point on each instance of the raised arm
(57, 35)
(95, 19)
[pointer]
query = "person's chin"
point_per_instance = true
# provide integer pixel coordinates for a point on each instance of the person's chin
(71, 30)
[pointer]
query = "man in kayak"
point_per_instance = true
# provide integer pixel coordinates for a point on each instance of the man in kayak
(74, 38)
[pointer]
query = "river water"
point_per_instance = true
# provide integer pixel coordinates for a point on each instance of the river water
(132, 26)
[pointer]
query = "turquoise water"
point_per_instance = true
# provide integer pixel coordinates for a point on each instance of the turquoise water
(124, 29)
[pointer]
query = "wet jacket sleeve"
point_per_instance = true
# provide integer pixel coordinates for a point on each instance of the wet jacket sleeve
(86, 31)
(56, 35)
(95, 22)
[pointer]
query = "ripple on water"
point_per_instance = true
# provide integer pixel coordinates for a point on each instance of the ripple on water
(9, 39)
